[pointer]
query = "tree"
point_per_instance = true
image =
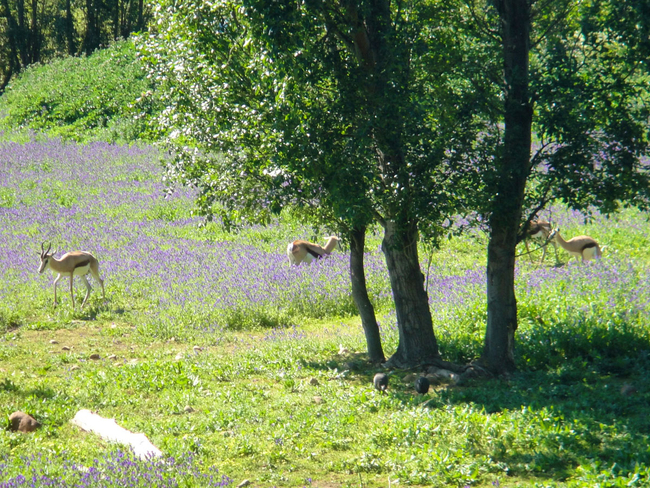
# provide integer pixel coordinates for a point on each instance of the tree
(512, 169)
(357, 238)
(39, 30)
(359, 111)
(91, 37)
(574, 73)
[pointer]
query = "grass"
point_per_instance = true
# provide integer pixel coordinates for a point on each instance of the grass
(101, 96)
(236, 365)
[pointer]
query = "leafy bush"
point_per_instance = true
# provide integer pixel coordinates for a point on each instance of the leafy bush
(82, 98)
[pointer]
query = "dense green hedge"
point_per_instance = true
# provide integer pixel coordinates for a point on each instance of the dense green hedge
(82, 98)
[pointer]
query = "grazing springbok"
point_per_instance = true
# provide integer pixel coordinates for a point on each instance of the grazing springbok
(303, 251)
(583, 247)
(540, 230)
(75, 263)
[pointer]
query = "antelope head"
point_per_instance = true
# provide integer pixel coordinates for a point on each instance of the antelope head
(45, 257)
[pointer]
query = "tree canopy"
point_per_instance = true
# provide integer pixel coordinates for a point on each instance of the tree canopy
(360, 112)
(406, 114)
(286, 94)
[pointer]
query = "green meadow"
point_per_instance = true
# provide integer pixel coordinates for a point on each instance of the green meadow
(235, 364)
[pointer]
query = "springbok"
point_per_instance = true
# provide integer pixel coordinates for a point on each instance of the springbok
(540, 230)
(303, 251)
(75, 263)
(583, 247)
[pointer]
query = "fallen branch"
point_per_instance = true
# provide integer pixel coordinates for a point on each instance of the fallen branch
(108, 430)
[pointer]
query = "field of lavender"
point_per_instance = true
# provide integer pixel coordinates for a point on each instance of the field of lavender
(239, 367)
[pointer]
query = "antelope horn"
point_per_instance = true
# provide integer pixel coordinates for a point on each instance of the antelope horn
(43, 251)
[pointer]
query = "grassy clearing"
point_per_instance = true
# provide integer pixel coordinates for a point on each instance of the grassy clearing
(272, 395)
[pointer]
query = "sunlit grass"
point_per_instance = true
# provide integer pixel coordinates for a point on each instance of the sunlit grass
(269, 359)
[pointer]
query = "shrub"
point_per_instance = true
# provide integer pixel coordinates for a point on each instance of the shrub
(82, 98)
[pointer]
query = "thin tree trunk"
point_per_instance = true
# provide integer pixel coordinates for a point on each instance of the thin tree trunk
(34, 35)
(417, 342)
(126, 21)
(13, 35)
(69, 29)
(91, 38)
(116, 19)
(140, 25)
(6, 78)
(21, 34)
(498, 353)
(360, 296)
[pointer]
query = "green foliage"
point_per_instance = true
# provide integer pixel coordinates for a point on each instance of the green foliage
(82, 98)
(287, 111)
(589, 81)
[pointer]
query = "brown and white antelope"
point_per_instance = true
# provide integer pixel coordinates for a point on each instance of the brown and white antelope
(303, 251)
(75, 263)
(583, 247)
(540, 230)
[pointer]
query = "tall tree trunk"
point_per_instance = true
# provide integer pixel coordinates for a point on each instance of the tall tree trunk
(34, 35)
(116, 19)
(91, 37)
(13, 38)
(514, 168)
(140, 25)
(371, 34)
(69, 29)
(6, 78)
(21, 34)
(417, 342)
(126, 19)
(360, 296)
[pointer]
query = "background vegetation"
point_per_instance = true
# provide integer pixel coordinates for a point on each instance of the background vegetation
(83, 98)
(38, 31)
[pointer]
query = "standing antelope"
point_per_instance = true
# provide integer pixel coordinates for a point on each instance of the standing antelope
(583, 247)
(299, 251)
(75, 263)
(540, 229)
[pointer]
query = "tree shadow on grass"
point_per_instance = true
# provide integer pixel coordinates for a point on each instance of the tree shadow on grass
(579, 413)
(583, 390)
(585, 386)
(40, 392)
